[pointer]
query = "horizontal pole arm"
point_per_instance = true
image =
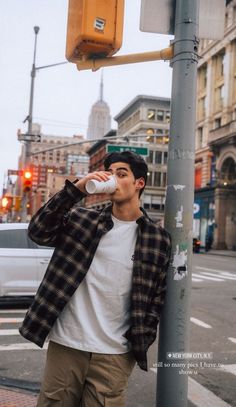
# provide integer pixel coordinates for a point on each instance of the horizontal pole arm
(95, 64)
(37, 68)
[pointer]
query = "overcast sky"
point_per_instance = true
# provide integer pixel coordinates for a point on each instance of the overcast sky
(64, 95)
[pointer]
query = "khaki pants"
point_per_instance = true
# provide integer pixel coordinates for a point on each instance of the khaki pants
(75, 378)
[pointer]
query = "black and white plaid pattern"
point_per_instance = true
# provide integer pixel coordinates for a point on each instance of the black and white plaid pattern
(75, 233)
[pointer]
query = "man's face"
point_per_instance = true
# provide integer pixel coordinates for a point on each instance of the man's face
(128, 187)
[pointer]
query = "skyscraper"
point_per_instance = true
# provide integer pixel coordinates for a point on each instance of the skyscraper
(99, 119)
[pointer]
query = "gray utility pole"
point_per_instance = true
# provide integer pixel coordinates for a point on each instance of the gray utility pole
(30, 115)
(29, 131)
(172, 386)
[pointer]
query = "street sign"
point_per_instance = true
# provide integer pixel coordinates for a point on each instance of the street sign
(33, 138)
(120, 148)
(158, 16)
(13, 172)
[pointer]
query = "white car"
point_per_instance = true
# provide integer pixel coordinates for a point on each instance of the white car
(22, 262)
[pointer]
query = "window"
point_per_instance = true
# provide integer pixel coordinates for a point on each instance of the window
(158, 157)
(160, 115)
(14, 239)
(151, 114)
(219, 63)
(164, 178)
(149, 179)
(165, 157)
(219, 93)
(202, 78)
(217, 122)
(199, 141)
(202, 108)
(157, 179)
(150, 157)
(168, 116)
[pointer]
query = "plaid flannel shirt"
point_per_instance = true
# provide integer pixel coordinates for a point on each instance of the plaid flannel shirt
(75, 233)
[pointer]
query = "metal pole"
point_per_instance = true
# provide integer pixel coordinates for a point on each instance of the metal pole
(29, 131)
(172, 386)
(30, 116)
(94, 64)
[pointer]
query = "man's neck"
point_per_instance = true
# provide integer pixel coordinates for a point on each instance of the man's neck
(126, 212)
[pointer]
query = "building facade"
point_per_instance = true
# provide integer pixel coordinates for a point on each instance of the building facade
(99, 119)
(215, 164)
(52, 167)
(96, 155)
(145, 121)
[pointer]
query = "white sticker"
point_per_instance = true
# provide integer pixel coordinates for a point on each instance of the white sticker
(179, 217)
(99, 24)
(179, 187)
(180, 264)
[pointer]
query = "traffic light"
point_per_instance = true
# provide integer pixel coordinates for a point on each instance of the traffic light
(27, 180)
(7, 202)
(94, 28)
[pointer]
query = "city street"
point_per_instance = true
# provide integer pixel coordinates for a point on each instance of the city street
(212, 329)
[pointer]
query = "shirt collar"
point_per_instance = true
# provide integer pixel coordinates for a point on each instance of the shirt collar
(106, 217)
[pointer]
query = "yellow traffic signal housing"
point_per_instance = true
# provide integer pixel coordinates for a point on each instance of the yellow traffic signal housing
(94, 28)
(27, 180)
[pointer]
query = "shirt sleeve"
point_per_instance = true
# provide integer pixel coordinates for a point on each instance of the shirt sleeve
(46, 225)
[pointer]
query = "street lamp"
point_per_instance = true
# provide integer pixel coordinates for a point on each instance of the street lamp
(29, 118)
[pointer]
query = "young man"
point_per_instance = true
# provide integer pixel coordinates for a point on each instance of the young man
(101, 297)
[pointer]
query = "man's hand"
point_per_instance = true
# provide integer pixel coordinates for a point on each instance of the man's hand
(98, 175)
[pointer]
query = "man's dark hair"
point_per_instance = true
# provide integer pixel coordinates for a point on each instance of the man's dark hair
(137, 164)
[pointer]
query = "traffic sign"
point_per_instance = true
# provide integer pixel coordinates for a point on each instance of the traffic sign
(120, 148)
(35, 138)
(158, 16)
(13, 172)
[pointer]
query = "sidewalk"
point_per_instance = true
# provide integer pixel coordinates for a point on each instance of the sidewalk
(229, 253)
(16, 398)
(10, 398)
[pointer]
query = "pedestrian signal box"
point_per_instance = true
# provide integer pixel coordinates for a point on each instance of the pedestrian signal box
(94, 28)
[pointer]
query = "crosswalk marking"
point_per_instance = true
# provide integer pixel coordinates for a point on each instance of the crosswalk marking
(207, 273)
(229, 368)
(6, 332)
(10, 320)
(13, 311)
(196, 279)
(21, 346)
(208, 278)
(215, 270)
(232, 340)
(200, 323)
(227, 273)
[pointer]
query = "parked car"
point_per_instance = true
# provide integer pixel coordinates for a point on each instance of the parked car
(22, 262)
(196, 245)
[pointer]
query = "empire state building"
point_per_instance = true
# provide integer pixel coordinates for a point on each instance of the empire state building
(99, 119)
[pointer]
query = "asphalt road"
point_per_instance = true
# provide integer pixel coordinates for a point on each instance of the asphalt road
(212, 329)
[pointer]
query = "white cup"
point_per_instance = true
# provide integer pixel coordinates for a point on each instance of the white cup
(101, 187)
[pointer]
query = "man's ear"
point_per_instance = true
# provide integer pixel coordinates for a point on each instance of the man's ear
(140, 183)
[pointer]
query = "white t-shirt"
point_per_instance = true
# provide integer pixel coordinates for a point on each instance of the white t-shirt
(98, 314)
